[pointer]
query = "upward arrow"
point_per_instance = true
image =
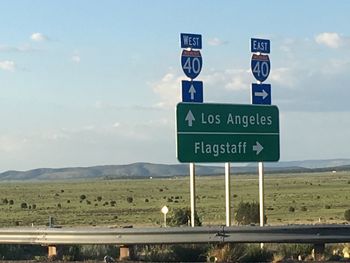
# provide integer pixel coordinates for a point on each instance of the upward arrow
(192, 91)
(190, 118)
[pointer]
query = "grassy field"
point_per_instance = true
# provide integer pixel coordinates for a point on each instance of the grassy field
(315, 197)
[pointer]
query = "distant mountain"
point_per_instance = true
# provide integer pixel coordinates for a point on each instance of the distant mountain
(147, 170)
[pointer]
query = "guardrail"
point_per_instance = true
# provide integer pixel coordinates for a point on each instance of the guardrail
(316, 234)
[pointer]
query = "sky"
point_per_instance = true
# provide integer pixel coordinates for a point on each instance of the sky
(86, 83)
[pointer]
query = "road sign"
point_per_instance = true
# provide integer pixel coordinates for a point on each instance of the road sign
(227, 132)
(192, 91)
(260, 45)
(191, 62)
(191, 41)
(260, 66)
(261, 94)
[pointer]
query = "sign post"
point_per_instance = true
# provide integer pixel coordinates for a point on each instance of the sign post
(192, 91)
(261, 94)
(228, 193)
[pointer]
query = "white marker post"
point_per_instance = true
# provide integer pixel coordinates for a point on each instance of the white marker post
(228, 194)
(193, 193)
(164, 210)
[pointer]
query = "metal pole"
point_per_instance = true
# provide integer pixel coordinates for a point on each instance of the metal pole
(261, 196)
(228, 194)
(261, 193)
(192, 193)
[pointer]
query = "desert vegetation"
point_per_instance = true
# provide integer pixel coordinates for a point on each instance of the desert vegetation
(293, 198)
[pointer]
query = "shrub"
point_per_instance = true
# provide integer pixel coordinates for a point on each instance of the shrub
(292, 251)
(182, 216)
(347, 215)
(327, 206)
(255, 254)
(189, 253)
(99, 198)
(129, 199)
(11, 202)
(5, 201)
(24, 205)
(231, 252)
(82, 197)
(248, 213)
(146, 200)
(291, 209)
(303, 208)
(155, 253)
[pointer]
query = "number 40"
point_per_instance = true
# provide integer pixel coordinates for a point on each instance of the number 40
(261, 68)
(192, 64)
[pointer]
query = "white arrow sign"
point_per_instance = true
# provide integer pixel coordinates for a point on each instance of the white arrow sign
(262, 94)
(190, 118)
(192, 91)
(257, 148)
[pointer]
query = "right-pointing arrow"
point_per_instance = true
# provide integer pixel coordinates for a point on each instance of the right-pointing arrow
(257, 148)
(262, 94)
(190, 118)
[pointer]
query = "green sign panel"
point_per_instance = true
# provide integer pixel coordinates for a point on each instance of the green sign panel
(227, 132)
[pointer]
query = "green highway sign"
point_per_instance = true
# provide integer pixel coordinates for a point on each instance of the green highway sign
(208, 132)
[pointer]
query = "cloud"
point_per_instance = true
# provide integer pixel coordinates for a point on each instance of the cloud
(12, 143)
(24, 48)
(216, 42)
(168, 89)
(38, 37)
(229, 79)
(331, 40)
(76, 59)
(8, 65)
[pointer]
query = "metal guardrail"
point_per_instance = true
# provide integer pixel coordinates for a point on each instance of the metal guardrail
(172, 235)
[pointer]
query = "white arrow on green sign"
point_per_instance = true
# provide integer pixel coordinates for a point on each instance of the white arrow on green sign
(227, 132)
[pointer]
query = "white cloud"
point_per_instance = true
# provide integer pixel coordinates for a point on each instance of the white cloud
(216, 42)
(169, 89)
(8, 65)
(332, 40)
(38, 37)
(11, 143)
(76, 59)
(230, 79)
(23, 48)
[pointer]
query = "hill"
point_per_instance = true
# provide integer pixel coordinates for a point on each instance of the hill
(147, 170)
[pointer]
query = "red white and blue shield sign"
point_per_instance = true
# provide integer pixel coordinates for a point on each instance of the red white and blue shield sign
(260, 66)
(191, 62)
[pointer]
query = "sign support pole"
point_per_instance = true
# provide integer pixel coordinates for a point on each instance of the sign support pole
(192, 193)
(261, 196)
(261, 192)
(228, 194)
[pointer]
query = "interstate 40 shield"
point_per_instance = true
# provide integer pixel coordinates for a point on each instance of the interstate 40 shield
(191, 62)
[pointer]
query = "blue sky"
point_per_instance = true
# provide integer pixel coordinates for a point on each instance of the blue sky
(96, 82)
